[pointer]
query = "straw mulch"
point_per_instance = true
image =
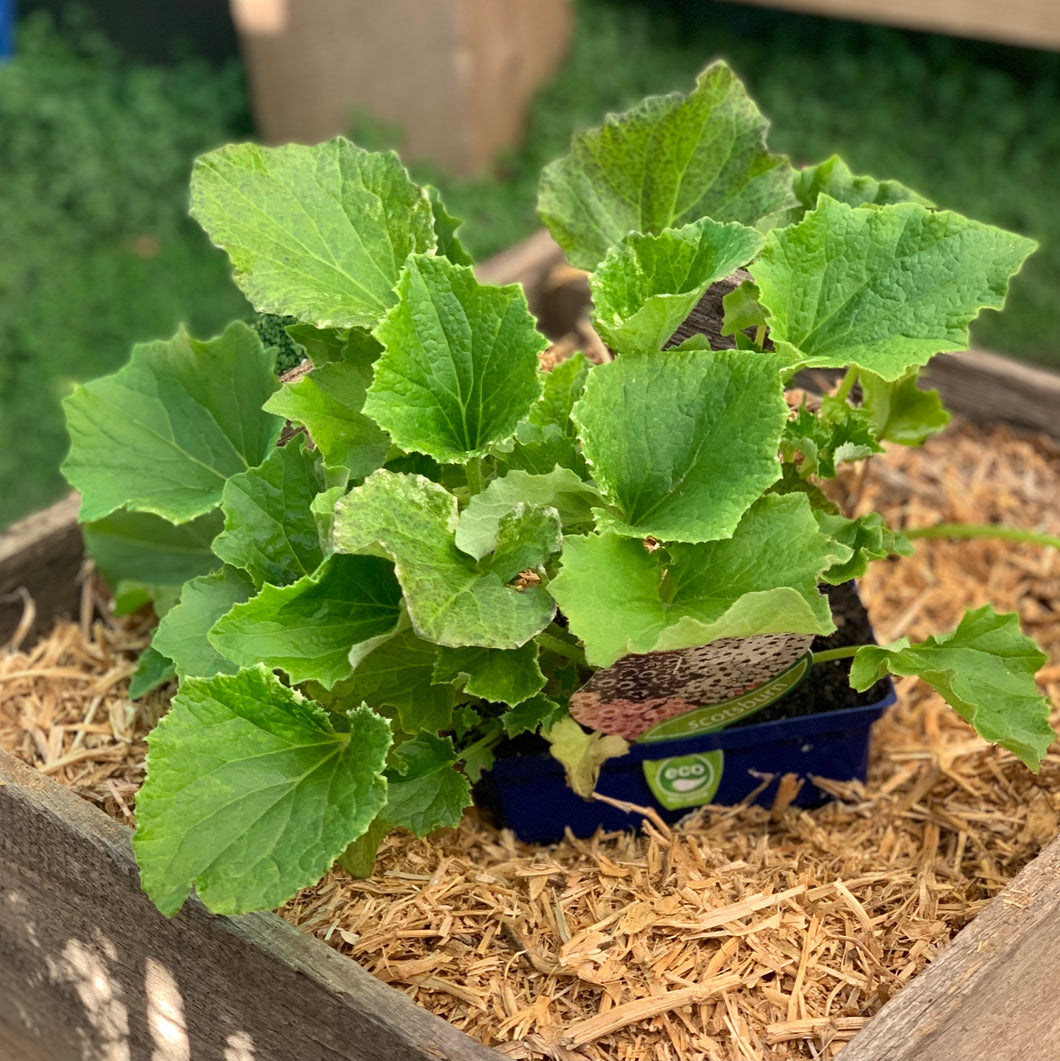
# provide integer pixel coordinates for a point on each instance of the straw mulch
(743, 933)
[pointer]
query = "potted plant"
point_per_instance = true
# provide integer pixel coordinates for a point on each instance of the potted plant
(452, 549)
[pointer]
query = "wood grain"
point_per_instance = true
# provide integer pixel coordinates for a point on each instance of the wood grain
(1032, 23)
(992, 993)
(90, 970)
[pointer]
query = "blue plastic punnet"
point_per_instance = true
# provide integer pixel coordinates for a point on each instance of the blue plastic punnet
(529, 793)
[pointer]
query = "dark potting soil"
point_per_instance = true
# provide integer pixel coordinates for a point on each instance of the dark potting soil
(827, 688)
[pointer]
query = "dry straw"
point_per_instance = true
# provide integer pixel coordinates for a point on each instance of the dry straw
(742, 933)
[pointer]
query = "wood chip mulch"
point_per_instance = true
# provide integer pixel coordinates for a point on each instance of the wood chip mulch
(740, 934)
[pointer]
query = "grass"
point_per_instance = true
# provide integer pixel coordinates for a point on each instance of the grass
(99, 253)
(95, 152)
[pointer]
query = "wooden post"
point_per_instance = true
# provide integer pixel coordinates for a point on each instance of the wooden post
(455, 75)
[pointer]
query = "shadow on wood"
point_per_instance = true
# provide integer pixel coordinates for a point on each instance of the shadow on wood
(91, 970)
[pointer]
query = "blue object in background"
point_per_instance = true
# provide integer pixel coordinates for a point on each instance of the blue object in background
(7, 28)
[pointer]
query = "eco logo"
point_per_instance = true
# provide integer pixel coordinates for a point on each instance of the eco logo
(685, 780)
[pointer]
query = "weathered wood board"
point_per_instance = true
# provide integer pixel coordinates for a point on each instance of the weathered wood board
(1032, 23)
(992, 993)
(90, 970)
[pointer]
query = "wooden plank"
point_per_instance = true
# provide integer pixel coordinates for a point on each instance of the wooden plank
(89, 969)
(1031, 23)
(455, 77)
(992, 993)
(40, 556)
(982, 386)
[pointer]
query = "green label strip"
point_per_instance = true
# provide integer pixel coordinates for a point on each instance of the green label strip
(712, 717)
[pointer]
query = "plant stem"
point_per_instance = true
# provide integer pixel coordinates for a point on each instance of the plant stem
(829, 654)
(983, 530)
(848, 384)
(476, 479)
(551, 643)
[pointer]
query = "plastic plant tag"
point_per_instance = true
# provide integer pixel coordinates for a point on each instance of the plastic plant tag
(700, 689)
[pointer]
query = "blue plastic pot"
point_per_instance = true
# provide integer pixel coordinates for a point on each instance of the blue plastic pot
(7, 28)
(529, 794)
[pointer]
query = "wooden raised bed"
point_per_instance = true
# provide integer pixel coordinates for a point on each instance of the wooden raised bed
(89, 969)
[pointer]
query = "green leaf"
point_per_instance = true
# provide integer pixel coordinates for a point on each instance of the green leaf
(619, 597)
(318, 628)
(425, 792)
(526, 537)
(329, 403)
(270, 530)
(400, 674)
(319, 233)
(561, 489)
(583, 754)
(900, 411)
(135, 549)
(181, 635)
(868, 539)
(838, 433)
(742, 310)
(547, 437)
(881, 287)
(682, 442)
(984, 670)
(539, 712)
(153, 670)
(459, 369)
(450, 600)
(647, 285)
(669, 161)
(502, 676)
(163, 433)
(833, 178)
(252, 793)
(322, 345)
(445, 226)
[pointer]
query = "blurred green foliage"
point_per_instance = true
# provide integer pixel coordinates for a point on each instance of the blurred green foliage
(96, 250)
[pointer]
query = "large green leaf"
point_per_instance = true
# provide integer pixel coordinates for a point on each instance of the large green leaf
(451, 599)
(270, 530)
(984, 670)
(619, 597)
(144, 557)
(181, 635)
(671, 160)
(317, 628)
(647, 285)
(572, 498)
(682, 442)
(163, 433)
(319, 233)
(881, 287)
(252, 792)
(460, 368)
